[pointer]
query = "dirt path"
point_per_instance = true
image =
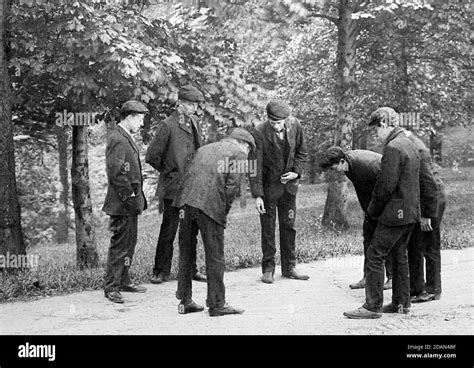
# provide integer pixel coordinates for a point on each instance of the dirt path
(284, 308)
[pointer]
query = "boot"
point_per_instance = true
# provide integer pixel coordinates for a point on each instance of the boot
(199, 277)
(224, 311)
(114, 296)
(292, 274)
(159, 279)
(362, 313)
(267, 277)
(189, 306)
(358, 285)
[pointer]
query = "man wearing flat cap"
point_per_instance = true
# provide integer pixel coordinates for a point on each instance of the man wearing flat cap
(124, 201)
(281, 152)
(395, 204)
(205, 197)
(172, 149)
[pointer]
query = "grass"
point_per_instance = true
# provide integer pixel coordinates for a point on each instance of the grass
(56, 273)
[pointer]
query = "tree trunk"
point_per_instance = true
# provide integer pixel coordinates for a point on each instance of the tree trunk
(11, 235)
(401, 64)
(85, 231)
(62, 230)
(336, 202)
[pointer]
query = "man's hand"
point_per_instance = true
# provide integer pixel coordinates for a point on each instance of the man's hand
(425, 224)
(289, 176)
(260, 206)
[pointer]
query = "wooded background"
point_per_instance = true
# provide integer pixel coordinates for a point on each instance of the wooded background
(334, 61)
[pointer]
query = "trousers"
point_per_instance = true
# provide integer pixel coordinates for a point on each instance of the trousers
(368, 230)
(388, 241)
(193, 221)
(164, 247)
(121, 250)
(286, 207)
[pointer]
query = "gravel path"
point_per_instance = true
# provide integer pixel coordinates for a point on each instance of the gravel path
(287, 307)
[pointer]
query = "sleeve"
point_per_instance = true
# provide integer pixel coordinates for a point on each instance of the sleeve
(157, 147)
(386, 182)
(117, 169)
(301, 151)
(256, 181)
(428, 187)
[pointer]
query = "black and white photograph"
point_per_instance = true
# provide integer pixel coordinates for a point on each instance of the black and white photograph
(286, 180)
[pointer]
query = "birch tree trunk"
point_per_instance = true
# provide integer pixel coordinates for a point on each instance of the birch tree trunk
(85, 230)
(62, 230)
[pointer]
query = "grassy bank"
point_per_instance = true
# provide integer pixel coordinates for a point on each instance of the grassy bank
(57, 274)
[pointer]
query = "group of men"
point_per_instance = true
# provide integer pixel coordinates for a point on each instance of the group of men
(403, 200)
(197, 194)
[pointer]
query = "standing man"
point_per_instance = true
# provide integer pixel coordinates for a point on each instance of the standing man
(362, 168)
(205, 198)
(173, 147)
(282, 153)
(124, 200)
(395, 203)
(425, 243)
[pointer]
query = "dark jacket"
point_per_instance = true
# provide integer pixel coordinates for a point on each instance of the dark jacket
(271, 165)
(430, 185)
(364, 167)
(208, 185)
(171, 151)
(124, 173)
(396, 196)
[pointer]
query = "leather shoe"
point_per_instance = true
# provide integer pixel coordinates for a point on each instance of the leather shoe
(362, 313)
(423, 297)
(358, 285)
(114, 297)
(388, 284)
(132, 288)
(392, 308)
(159, 279)
(189, 306)
(199, 277)
(267, 277)
(225, 310)
(292, 274)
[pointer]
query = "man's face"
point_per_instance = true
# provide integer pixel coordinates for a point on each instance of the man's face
(136, 122)
(379, 132)
(188, 107)
(277, 125)
(341, 166)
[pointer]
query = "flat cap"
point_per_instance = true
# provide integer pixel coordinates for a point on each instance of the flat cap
(190, 93)
(385, 115)
(134, 106)
(278, 110)
(242, 135)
